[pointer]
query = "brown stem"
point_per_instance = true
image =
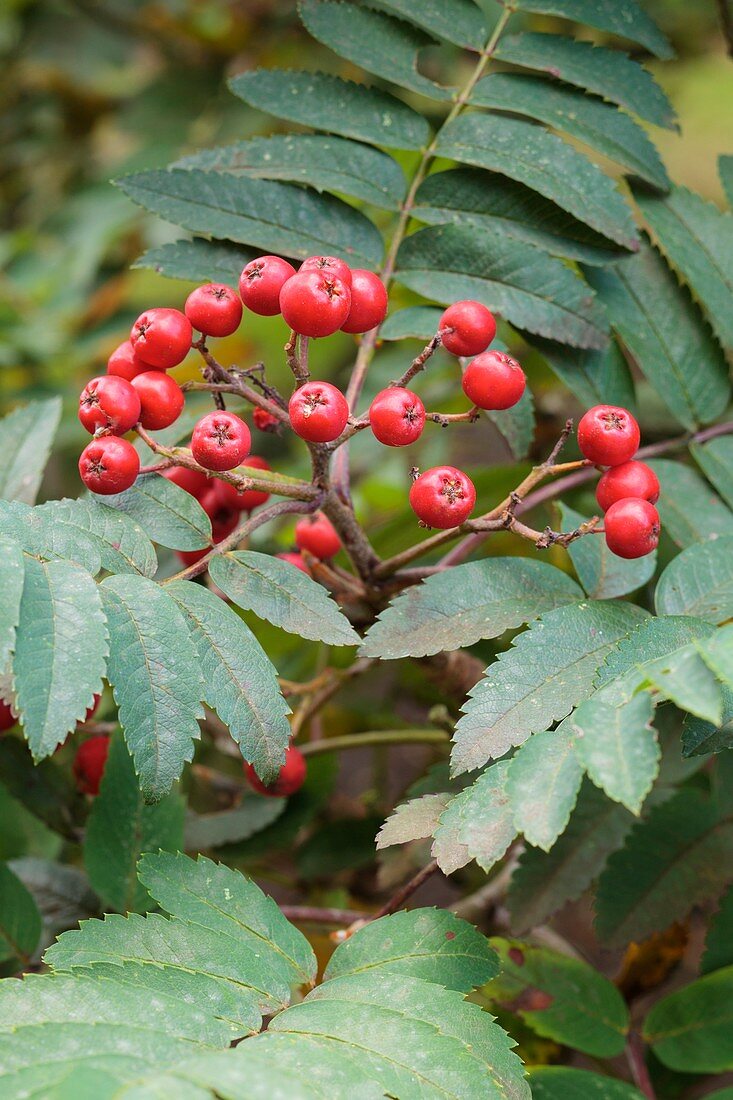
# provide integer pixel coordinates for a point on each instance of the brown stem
(312, 703)
(400, 897)
(225, 381)
(637, 1065)
(444, 419)
(418, 363)
(311, 914)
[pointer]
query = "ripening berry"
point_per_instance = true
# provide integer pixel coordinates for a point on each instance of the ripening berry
(264, 420)
(214, 309)
(109, 465)
(245, 501)
(290, 779)
(294, 559)
(467, 328)
(328, 265)
(318, 536)
(630, 479)
(318, 412)
(368, 302)
(109, 403)
(223, 518)
(161, 399)
(124, 363)
(494, 380)
(220, 441)
(162, 337)
(608, 435)
(442, 497)
(261, 282)
(192, 481)
(315, 304)
(7, 718)
(397, 417)
(89, 763)
(632, 528)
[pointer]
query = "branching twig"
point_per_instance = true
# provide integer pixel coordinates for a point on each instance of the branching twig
(637, 1065)
(418, 363)
(444, 419)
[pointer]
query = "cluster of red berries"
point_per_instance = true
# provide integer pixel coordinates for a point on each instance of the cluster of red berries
(90, 758)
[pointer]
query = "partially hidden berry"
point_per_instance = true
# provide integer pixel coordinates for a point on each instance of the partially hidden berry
(467, 328)
(291, 777)
(318, 536)
(608, 435)
(214, 309)
(223, 518)
(328, 265)
(109, 465)
(89, 763)
(368, 302)
(261, 282)
(314, 303)
(161, 399)
(442, 497)
(7, 718)
(630, 479)
(109, 403)
(264, 420)
(193, 481)
(162, 337)
(220, 441)
(294, 559)
(494, 380)
(124, 363)
(397, 417)
(248, 499)
(318, 412)
(632, 528)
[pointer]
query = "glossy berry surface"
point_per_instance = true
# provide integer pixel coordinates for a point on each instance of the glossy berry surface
(161, 399)
(229, 497)
(291, 777)
(494, 380)
(192, 481)
(368, 302)
(89, 763)
(123, 363)
(328, 265)
(442, 497)
(7, 718)
(109, 403)
(630, 479)
(261, 282)
(220, 441)
(264, 420)
(632, 528)
(109, 465)
(162, 337)
(318, 536)
(315, 304)
(608, 435)
(397, 417)
(214, 309)
(318, 412)
(294, 559)
(467, 328)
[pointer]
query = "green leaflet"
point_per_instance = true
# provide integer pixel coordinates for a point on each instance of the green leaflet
(198, 260)
(715, 459)
(20, 921)
(422, 322)
(625, 18)
(26, 436)
(699, 582)
(476, 824)
(564, 1083)
(618, 746)
(413, 820)
(689, 1030)
(171, 515)
(689, 509)
(603, 574)
(543, 784)
(718, 942)
(12, 569)
(457, 21)
(594, 377)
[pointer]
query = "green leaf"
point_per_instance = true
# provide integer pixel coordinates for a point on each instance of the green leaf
(26, 436)
(413, 820)
(456, 608)
(157, 681)
(20, 921)
(477, 823)
(560, 997)
(61, 892)
(564, 1083)
(240, 680)
(700, 737)
(543, 784)
(12, 570)
(679, 857)
(254, 814)
(609, 73)
(457, 21)
(715, 459)
(625, 18)
(549, 669)
(516, 425)
(664, 333)
(280, 217)
(542, 161)
(422, 322)
(699, 582)
(594, 377)
(43, 788)
(689, 509)
(689, 1030)
(121, 827)
(198, 260)
(281, 594)
(725, 170)
(618, 746)
(719, 940)
(171, 515)
(60, 652)
(326, 163)
(338, 106)
(422, 943)
(593, 122)
(530, 289)
(374, 42)
(697, 239)
(603, 574)
(717, 653)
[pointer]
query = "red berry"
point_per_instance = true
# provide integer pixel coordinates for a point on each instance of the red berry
(315, 304)
(245, 501)
(214, 309)
(494, 380)
(328, 265)
(442, 497)
(223, 518)
(632, 527)
(397, 417)
(190, 557)
(109, 403)
(124, 363)
(220, 441)
(318, 536)
(261, 282)
(93, 708)
(192, 481)
(608, 435)
(318, 412)
(89, 762)
(630, 479)
(109, 465)
(368, 302)
(290, 779)
(7, 718)
(162, 337)
(467, 328)
(264, 420)
(161, 399)
(294, 559)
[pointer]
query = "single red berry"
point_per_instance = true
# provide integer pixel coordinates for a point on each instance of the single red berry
(318, 412)
(368, 302)
(290, 779)
(608, 435)
(442, 497)
(162, 337)
(89, 763)
(264, 420)
(315, 304)
(190, 557)
(109, 403)
(245, 501)
(124, 363)
(632, 528)
(109, 465)
(214, 309)
(294, 559)
(161, 399)
(7, 718)
(467, 328)
(318, 536)
(328, 265)
(192, 481)
(261, 282)
(397, 417)
(630, 479)
(494, 380)
(223, 518)
(220, 441)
